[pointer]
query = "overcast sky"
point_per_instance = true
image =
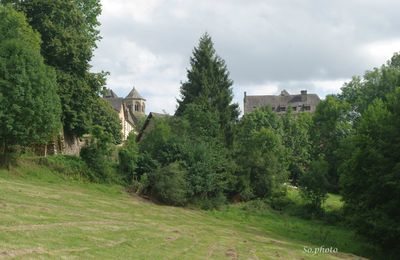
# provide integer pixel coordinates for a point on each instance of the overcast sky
(268, 45)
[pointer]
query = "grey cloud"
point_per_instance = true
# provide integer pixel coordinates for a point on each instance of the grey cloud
(262, 41)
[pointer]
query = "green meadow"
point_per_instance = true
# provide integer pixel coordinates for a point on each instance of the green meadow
(45, 214)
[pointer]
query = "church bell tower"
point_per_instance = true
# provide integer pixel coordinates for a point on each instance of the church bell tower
(135, 103)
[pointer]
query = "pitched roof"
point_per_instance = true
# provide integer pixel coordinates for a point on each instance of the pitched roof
(147, 122)
(134, 94)
(116, 103)
(253, 102)
(109, 93)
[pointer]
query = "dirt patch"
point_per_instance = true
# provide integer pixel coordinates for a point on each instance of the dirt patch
(11, 253)
(52, 225)
(232, 254)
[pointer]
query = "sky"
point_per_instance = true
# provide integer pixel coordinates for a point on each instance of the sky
(268, 45)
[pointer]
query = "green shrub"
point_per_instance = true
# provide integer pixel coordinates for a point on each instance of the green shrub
(128, 157)
(169, 185)
(314, 185)
(255, 206)
(97, 154)
(279, 200)
(70, 166)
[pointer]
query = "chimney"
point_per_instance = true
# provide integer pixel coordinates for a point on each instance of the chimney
(303, 96)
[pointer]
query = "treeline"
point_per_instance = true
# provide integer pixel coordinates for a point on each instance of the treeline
(206, 156)
(46, 87)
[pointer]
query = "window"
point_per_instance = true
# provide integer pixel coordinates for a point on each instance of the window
(137, 107)
(294, 108)
(282, 109)
(307, 108)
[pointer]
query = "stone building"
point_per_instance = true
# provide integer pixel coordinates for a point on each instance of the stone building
(302, 102)
(130, 109)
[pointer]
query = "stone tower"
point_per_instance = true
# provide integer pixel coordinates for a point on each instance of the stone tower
(135, 103)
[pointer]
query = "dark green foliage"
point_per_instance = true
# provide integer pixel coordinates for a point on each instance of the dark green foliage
(375, 84)
(128, 157)
(314, 184)
(69, 33)
(332, 123)
(297, 140)
(207, 164)
(30, 106)
(371, 174)
(105, 116)
(97, 153)
(209, 87)
(69, 166)
(68, 29)
(169, 184)
(260, 154)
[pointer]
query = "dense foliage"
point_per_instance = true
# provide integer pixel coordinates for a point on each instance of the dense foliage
(29, 104)
(260, 154)
(370, 175)
(203, 155)
(208, 86)
(97, 153)
(128, 157)
(69, 31)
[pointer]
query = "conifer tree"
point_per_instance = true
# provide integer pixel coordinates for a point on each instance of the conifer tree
(209, 87)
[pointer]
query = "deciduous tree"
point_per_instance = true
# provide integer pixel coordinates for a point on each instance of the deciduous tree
(30, 106)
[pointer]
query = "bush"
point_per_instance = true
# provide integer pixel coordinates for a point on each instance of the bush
(255, 206)
(96, 155)
(314, 185)
(70, 166)
(128, 157)
(169, 185)
(279, 200)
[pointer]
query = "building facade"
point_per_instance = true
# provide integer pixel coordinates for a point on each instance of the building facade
(130, 109)
(302, 102)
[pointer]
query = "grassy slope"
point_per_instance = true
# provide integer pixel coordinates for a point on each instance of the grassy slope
(44, 215)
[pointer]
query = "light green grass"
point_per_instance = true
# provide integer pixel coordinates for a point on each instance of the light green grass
(332, 203)
(44, 215)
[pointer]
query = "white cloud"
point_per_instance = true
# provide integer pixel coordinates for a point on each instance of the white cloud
(268, 45)
(381, 51)
(139, 10)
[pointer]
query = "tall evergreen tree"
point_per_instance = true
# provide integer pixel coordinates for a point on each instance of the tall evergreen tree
(209, 86)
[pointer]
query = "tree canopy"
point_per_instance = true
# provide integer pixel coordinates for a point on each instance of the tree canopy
(30, 106)
(208, 86)
(69, 31)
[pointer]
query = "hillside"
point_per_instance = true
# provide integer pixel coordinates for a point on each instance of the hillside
(47, 215)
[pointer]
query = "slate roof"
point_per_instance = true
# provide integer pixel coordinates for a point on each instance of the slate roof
(134, 94)
(109, 93)
(146, 124)
(116, 103)
(253, 102)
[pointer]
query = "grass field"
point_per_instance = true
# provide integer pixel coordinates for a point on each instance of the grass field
(46, 215)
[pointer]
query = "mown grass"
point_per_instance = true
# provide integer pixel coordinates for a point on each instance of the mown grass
(45, 214)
